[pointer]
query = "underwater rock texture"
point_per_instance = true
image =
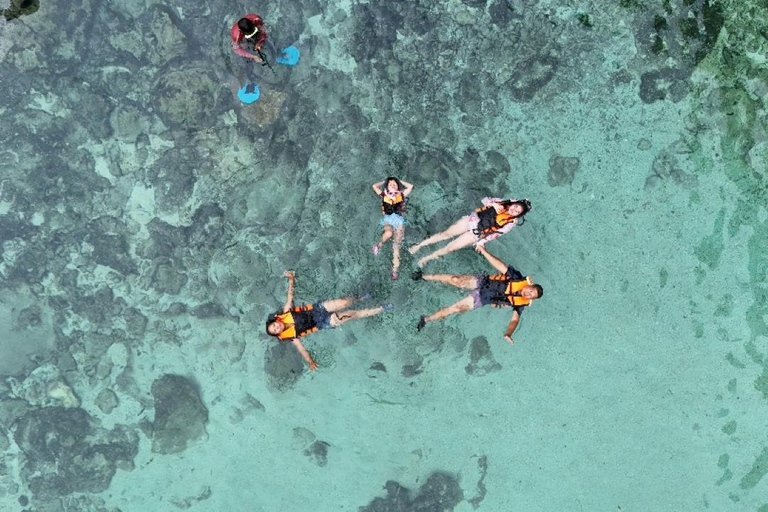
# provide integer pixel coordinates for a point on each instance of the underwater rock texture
(180, 416)
(283, 365)
(66, 452)
(439, 493)
(146, 217)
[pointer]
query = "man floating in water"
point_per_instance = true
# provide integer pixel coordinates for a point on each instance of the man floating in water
(296, 322)
(508, 289)
(249, 37)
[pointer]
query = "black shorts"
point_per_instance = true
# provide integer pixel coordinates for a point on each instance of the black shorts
(321, 316)
(489, 292)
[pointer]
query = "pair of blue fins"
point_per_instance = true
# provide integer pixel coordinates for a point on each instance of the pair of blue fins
(251, 92)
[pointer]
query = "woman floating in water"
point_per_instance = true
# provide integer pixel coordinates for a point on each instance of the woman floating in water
(296, 322)
(393, 194)
(494, 219)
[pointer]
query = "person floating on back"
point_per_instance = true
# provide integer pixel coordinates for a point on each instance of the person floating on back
(249, 37)
(507, 289)
(294, 323)
(394, 194)
(494, 219)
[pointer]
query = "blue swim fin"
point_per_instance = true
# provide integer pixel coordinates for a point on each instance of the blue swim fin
(290, 56)
(249, 94)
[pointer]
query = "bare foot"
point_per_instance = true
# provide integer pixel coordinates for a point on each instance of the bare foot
(423, 261)
(414, 249)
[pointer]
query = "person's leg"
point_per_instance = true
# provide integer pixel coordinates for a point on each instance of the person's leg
(462, 241)
(384, 239)
(465, 282)
(459, 227)
(399, 236)
(464, 305)
(250, 71)
(342, 317)
(339, 304)
(270, 50)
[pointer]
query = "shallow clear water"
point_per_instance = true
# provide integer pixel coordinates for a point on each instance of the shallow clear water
(147, 216)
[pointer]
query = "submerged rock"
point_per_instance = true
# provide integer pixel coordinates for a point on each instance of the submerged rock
(317, 452)
(562, 170)
(180, 415)
(441, 492)
(106, 401)
(187, 98)
(283, 365)
(66, 452)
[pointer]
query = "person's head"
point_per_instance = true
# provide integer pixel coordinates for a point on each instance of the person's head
(274, 326)
(518, 207)
(392, 184)
(247, 27)
(532, 291)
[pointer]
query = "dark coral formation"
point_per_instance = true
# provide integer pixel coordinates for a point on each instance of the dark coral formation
(562, 170)
(440, 493)
(283, 365)
(20, 8)
(67, 452)
(180, 415)
(317, 452)
(683, 31)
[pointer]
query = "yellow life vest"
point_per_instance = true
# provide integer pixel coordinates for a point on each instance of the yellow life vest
(491, 224)
(289, 320)
(390, 205)
(513, 288)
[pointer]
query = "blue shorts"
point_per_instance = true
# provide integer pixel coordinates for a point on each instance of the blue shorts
(321, 316)
(394, 220)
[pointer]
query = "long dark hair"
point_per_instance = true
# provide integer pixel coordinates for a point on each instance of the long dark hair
(523, 203)
(270, 320)
(400, 186)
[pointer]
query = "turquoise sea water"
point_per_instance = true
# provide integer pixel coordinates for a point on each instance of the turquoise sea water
(146, 219)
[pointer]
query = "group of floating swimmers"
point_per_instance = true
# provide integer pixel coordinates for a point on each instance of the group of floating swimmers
(508, 288)
(496, 217)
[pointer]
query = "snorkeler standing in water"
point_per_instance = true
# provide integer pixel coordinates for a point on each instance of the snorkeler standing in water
(394, 194)
(494, 219)
(507, 289)
(249, 37)
(293, 323)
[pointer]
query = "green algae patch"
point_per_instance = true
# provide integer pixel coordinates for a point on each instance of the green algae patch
(761, 383)
(711, 248)
(758, 471)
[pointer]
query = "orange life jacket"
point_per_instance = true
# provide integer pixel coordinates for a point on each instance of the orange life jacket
(513, 288)
(390, 205)
(490, 221)
(300, 315)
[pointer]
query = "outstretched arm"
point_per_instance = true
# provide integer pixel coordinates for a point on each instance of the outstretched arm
(493, 260)
(291, 285)
(512, 327)
(305, 354)
(408, 188)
